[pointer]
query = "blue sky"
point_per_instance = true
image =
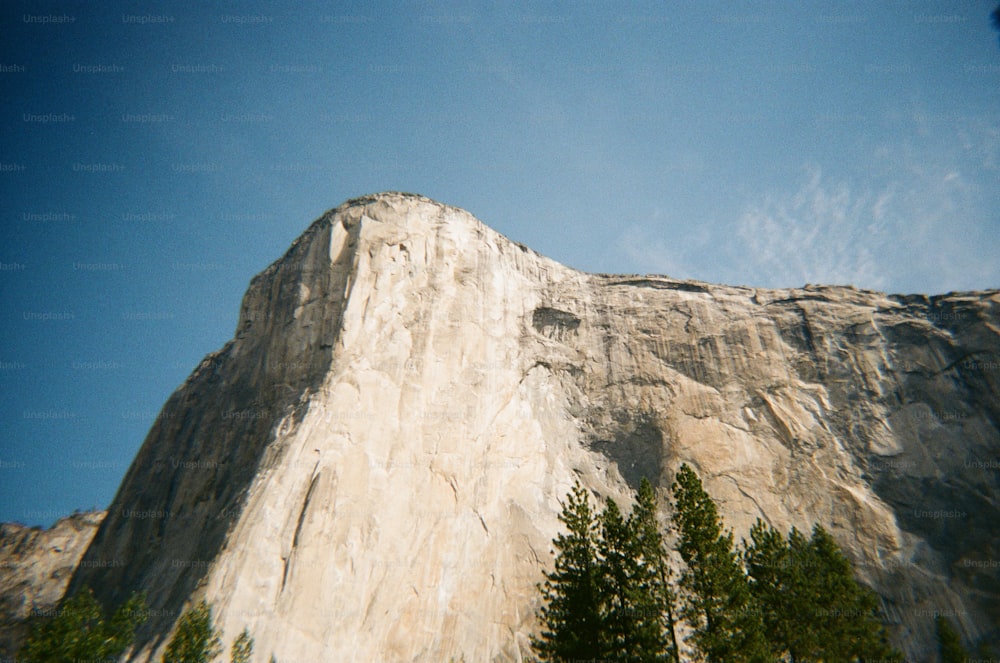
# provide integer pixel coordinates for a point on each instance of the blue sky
(155, 156)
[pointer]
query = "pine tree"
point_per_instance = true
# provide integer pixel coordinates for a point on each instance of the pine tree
(949, 642)
(716, 599)
(805, 628)
(845, 613)
(615, 572)
(571, 614)
(242, 649)
(655, 597)
(120, 630)
(196, 640)
(630, 593)
(780, 575)
(766, 558)
(812, 607)
(79, 632)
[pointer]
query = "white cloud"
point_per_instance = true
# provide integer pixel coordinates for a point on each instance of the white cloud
(920, 214)
(821, 233)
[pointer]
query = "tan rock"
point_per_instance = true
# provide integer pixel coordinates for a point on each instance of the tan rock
(371, 469)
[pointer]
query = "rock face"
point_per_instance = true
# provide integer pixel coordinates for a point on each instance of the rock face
(371, 469)
(35, 567)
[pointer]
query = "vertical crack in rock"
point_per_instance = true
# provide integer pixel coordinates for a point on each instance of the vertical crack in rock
(305, 507)
(287, 561)
(873, 415)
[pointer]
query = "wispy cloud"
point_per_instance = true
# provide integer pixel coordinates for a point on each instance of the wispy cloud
(917, 216)
(821, 233)
(921, 225)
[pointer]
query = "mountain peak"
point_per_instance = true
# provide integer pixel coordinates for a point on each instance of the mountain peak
(372, 468)
(388, 196)
(388, 206)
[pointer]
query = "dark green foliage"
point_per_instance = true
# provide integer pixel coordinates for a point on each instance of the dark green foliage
(79, 631)
(784, 582)
(616, 568)
(631, 621)
(812, 607)
(608, 597)
(852, 627)
(778, 585)
(784, 599)
(949, 642)
(242, 649)
(716, 600)
(196, 640)
(571, 617)
(654, 599)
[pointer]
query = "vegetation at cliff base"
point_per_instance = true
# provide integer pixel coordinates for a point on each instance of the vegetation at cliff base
(242, 650)
(79, 631)
(195, 640)
(611, 595)
(949, 644)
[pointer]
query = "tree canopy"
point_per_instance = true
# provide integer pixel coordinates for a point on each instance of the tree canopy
(613, 596)
(79, 631)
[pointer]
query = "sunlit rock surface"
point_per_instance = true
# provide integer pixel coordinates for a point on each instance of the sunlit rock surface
(371, 469)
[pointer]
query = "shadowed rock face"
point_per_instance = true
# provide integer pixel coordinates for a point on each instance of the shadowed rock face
(371, 469)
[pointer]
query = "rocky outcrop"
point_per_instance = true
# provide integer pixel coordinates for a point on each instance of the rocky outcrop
(35, 567)
(371, 469)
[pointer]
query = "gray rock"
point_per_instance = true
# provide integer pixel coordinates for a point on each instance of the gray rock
(372, 468)
(35, 567)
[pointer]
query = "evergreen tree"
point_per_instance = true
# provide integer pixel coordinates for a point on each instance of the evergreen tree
(805, 628)
(780, 577)
(716, 599)
(120, 631)
(196, 640)
(610, 597)
(632, 568)
(766, 558)
(851, 629)
(242, 649)
(615, 571)
(812, 607)
(653, 579)
(79, 632)
(949, 642)
(571, 614)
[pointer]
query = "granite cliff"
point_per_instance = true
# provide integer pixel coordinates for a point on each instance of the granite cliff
(371, 469)
(35, 568)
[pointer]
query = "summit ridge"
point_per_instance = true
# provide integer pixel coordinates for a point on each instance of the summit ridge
(372, 468)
